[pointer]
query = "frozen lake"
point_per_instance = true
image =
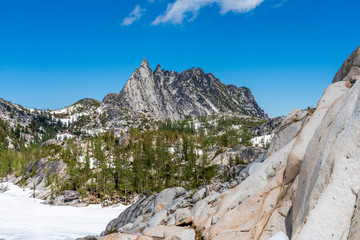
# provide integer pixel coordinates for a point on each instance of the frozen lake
(22, 217)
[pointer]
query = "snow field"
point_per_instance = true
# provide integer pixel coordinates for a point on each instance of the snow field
(25, 218)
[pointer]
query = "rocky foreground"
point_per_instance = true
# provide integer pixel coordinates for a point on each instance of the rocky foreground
(305, 187)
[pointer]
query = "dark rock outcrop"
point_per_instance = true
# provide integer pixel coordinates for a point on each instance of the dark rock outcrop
(69, 198)
(147, 207)
(247, 154)
(70, 195)
(88, 102)
(123, 141)
(14, 114)
(38, 173)
(268, 127)
(350, 70)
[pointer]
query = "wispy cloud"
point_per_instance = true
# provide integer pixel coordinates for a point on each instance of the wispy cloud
(240, 6)
(133, 16)
(280, 4)
(176, 12)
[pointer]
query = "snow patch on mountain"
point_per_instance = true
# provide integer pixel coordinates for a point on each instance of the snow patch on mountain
(262, 140)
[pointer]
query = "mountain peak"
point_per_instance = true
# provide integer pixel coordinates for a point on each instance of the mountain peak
(144, 70)
(193, 72)
(158, 68)
(144, 63)
(168, 94)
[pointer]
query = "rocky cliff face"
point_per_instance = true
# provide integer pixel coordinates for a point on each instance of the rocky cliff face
(350, 70)
(306, 187)
(168, 94)
(15, 114)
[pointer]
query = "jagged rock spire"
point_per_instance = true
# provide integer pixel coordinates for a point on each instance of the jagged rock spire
(158, 68)
(144, 63)
(168, 94)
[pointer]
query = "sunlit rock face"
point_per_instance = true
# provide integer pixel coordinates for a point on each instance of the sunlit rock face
(306, 188)
(168, 94)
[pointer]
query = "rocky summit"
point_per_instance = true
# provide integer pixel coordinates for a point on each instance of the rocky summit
(169, 94)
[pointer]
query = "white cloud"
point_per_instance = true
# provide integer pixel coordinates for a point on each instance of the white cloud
(241, 6)
(176, 12)
(133, 16)
(280, 4)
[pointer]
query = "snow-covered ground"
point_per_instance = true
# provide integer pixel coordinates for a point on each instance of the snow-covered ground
(73, 113)
(92, 161)
(63, 136)
(262, 140)
(26, 218)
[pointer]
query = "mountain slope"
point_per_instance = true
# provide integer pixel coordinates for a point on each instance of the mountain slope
(15, 114)
(168, 94)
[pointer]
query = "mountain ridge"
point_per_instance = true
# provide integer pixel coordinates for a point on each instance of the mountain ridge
(169, 94)
(162, 94)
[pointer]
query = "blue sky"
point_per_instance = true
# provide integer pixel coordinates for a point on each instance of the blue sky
(53, 53)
